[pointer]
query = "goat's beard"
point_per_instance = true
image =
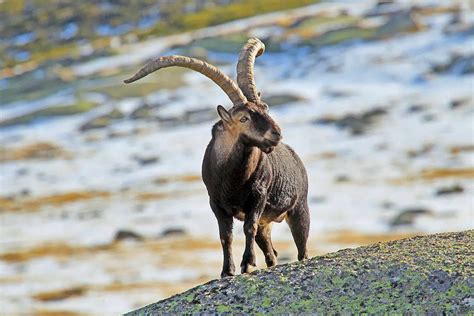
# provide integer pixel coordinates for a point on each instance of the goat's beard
(265, 145)
(268, 150)
(268, 146)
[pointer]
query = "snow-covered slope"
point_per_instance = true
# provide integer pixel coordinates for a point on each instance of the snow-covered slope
(382, 138)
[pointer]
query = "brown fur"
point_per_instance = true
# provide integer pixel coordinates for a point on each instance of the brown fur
(250, 175)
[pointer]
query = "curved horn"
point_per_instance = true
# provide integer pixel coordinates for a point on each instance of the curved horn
(221, 79)
(245, 78)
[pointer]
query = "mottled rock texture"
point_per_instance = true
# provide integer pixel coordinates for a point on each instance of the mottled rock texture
(421, 275)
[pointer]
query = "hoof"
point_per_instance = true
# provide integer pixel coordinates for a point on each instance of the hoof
(303, 257)
(226, 274)
(248, 268)
(271, 263)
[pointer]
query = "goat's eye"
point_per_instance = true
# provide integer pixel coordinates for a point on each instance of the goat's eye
(243, 119)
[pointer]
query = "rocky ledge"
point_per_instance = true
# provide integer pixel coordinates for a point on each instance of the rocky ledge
(421, 275)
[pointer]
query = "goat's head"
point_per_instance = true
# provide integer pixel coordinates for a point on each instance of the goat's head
(252, 125)
(251, 121)
(248, 118)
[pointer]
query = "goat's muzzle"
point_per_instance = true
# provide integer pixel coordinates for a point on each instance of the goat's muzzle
(272, 139)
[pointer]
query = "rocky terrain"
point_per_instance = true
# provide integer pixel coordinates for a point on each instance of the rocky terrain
(420, 275)
(102, 206)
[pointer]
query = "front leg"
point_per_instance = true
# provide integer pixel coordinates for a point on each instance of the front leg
(225, 223)
(252, 217)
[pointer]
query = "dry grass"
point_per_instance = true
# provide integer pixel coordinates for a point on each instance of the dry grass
(348, 237)
(46, 312)
(168, 288)
(32, 151)
(436, 174)
(59, 295)
(11, 279)
(70, 197)
(126, 287)
(33, 204)
(447, 173)
(459, 149)
(173, 251)
(184, 244)
(51, 250)
(148, 196)
(326, 155)
(431, 10)
(163, 246)
(187, 178)
(56, 200)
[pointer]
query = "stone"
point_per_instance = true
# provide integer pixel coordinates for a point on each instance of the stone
(455, 189)
(357, 124)
(200, 115)
(275, 100)
(173, 231)
(419, 275)
(408, 216)
(143, 112)
(457, 64)
(342, 178)
(102, 121)
(145, 161)
(124, 234)
(399, 22)
(416, 108)
(457, 103)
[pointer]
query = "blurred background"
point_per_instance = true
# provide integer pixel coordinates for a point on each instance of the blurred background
(102, 206)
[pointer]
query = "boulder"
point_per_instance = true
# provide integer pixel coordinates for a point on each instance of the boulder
(102, 121)
(421, 275)
(357, 124)
(124, 234)
(408, 216)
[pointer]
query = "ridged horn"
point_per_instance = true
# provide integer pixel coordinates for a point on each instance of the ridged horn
(245, 77)
(221, 79)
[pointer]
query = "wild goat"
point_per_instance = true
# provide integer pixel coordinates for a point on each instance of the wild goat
(248, 172)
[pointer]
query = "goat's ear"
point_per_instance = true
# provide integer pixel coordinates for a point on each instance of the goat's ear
(224, 114)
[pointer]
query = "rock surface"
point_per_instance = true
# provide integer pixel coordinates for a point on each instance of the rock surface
(421, 275)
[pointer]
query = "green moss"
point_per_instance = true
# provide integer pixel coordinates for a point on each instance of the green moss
(189, 298)
(173, 305)
(54, 52)
(267, 302)
(50, 112)
(169, 78)
(219, 14)
(223, 309)
(343, 34)
(228, 44)
(25, 89)
(312, 25)
(410, 276)
(103, 120)
(177, 19)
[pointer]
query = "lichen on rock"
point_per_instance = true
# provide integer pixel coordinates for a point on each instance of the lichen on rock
(420, 275)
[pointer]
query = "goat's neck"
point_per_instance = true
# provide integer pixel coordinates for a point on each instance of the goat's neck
(235, 159)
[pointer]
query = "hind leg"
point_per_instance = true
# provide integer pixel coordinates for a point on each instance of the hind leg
(264, 241)
(298, 220)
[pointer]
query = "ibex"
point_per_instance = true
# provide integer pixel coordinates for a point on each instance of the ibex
(248, 172)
